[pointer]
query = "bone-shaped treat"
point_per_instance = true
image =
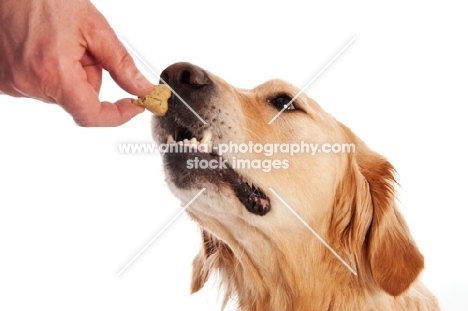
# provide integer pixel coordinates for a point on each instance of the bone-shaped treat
(156, 101)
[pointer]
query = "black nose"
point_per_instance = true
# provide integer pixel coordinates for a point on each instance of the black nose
(182, 76)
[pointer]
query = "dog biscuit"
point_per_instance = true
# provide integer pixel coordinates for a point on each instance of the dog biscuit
(156, 101)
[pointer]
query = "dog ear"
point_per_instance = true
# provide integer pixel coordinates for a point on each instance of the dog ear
(215, 255)
(394, 259)
(200, 267)
(369, 226)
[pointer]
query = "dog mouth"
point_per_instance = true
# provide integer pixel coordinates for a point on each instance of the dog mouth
(197, 148)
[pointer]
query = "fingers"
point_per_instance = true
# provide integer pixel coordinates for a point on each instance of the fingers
(80, 99)
(94, 76)
(106, 114)
(123, 70)
(93, 70)
(110, 52)
(112, 114)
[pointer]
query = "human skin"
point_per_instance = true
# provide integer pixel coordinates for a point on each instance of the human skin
(55, 51)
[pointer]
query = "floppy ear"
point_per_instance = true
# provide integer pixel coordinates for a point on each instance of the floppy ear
(394, 259)
(200, 272)
(214, 255)
(368, 224)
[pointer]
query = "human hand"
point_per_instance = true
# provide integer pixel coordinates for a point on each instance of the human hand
(55, 51)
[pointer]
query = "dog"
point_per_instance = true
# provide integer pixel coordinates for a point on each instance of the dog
(312, 232)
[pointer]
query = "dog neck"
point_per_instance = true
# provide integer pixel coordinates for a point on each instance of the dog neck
(281, 281)
(273, 280)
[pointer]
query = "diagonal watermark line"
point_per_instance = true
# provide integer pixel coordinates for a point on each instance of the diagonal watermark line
(314, 233)
(159, 76)
(313, 79)
(160, 232)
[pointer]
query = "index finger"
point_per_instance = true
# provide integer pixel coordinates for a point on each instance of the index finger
(106, 47)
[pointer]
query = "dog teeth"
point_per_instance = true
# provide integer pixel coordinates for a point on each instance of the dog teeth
(170, 139)
(193, 141)
(206, 138)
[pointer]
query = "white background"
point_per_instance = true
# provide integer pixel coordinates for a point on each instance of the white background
(74, 211)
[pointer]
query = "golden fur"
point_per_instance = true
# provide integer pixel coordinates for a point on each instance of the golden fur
(273, 262)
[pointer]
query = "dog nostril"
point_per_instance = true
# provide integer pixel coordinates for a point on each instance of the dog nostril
(193, 76)
(185, 77)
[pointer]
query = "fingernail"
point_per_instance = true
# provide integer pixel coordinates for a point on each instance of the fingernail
(141, 82)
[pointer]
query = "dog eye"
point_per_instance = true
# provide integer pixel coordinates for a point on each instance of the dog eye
(282, 101)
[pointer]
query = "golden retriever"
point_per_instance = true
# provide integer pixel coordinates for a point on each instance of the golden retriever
(257, 221)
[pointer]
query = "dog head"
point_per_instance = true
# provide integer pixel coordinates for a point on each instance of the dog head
(250, 235)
